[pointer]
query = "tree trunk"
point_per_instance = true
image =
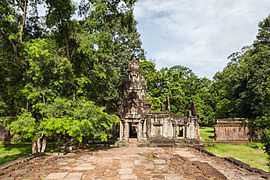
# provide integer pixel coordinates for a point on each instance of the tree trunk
(34, 147)
(24, 10)
(44, 144)
(67, 45)
(39, 146)
(168, 104)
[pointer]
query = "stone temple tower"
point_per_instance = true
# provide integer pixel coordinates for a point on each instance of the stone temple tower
(137, 121)
(134, 108)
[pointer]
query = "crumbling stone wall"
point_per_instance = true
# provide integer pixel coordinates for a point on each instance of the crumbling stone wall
(231, 130)
(159, 124)
(168, 125)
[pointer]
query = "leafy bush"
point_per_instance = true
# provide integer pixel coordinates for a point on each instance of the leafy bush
(266, 141)
(77, 119)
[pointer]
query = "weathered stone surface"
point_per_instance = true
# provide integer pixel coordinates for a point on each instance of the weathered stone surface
(158, 177)
(133, 163)
(128, 177)
(137, 162)
(74, 176)
(126, 164)
(56, 176)
(231, 129)
(159, 161)
(84, 167)
(66, 168)
(125, 171)
(173, 177)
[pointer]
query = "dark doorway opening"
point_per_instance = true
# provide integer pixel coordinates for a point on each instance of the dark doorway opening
(132, 130)
(180, 131)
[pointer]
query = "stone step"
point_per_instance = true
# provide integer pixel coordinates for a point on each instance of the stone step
(132, 142)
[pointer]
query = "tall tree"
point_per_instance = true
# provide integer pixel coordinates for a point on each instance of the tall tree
(107, 42)
(60, 57)
(175, 89)
(243, 87)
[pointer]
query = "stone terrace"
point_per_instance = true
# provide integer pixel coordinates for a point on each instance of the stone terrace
(130, 163)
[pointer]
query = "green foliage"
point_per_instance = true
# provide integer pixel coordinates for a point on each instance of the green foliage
(207, 134)
(266, 141)
(3, 107)
(48, 74)
(59, 12)
(242, 89)
(77, 119)
(57, 71)
(24, 127)
(177, 87)
(106, 42)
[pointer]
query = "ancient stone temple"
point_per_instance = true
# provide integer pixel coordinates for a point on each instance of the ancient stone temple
(137, 120)
(232, 130)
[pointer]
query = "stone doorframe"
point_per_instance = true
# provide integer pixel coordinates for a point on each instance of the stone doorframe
(124, 129)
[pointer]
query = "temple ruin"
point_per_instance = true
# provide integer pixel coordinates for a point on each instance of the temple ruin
(232, 130)
(138, 121)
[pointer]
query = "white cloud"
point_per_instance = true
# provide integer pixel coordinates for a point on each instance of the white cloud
(195, 33)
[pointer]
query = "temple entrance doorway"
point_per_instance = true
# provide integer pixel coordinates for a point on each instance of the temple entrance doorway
(180, 131)
(132, 130)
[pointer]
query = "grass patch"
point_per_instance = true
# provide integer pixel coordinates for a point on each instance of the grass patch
(249, 153)
(13, 151)
(207, 134)
(255, 157)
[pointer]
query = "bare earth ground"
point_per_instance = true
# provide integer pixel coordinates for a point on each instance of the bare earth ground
(130, 163)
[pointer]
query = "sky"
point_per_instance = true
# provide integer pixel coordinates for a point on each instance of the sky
(198, 34)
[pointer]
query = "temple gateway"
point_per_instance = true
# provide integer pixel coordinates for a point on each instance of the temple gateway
(137, 120)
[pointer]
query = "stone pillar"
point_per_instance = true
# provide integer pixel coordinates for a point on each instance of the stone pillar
(185, 131)
(144, 129)
(165, 127)
(121, 132)
(139, 135)
(192, 130)
(174, 130)
(126, 131)
(188, 131)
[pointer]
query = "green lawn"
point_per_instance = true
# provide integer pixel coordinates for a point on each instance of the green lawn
(207, 134)
(250, 153)
(13, 151)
